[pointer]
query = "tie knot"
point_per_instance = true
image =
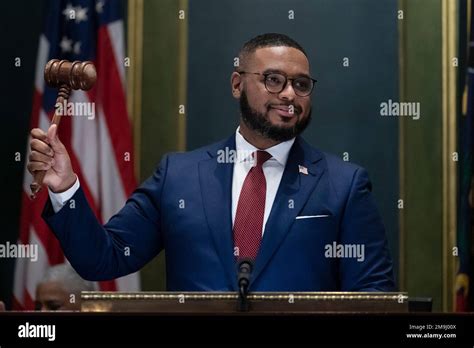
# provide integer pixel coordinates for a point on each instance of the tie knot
(262, 157)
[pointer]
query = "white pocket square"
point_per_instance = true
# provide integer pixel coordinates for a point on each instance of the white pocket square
(312, 216)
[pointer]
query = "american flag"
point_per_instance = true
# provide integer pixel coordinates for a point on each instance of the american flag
(100, 147)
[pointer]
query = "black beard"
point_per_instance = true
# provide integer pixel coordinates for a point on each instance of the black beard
(257, 122)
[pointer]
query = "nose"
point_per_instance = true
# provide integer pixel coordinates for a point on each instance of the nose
(288, 93)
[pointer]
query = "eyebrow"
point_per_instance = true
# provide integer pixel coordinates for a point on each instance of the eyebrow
(277, 71)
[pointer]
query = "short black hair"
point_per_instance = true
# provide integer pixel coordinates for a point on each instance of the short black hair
(267, 40)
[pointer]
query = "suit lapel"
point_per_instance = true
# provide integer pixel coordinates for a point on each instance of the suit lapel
(292, 194)
(216, 190)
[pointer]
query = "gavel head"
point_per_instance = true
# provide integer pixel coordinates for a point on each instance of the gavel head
(77, 75)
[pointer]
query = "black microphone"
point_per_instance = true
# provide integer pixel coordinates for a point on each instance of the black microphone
(245, 268)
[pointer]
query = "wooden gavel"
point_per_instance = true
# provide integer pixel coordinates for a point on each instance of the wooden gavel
(66, 76)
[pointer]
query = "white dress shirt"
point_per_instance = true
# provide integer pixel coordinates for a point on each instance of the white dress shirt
(58, 200)
(272, 169)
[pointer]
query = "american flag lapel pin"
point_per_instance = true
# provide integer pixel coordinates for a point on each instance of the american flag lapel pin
(303, 169)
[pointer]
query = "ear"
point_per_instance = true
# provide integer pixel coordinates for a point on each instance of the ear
(236, 84)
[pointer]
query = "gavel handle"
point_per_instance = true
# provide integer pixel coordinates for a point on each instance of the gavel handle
(39, 175)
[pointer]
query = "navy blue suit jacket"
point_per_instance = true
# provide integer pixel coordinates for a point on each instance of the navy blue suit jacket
(185, 208)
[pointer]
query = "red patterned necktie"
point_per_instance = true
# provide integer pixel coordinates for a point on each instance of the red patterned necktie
(248, 222)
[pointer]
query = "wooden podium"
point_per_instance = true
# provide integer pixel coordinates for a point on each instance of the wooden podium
(259, 302)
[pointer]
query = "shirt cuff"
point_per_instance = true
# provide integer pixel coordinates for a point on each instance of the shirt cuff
(58, 200)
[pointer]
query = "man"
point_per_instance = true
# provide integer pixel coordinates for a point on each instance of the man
(61, 289)
(297, 213)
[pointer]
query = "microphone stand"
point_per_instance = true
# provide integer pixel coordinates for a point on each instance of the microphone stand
(244, 271)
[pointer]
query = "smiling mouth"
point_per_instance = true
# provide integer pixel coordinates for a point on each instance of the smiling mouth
(285, 110)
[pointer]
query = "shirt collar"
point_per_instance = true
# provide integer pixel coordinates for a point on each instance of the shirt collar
(279, 152)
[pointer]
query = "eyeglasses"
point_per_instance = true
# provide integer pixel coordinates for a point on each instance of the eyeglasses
(275, 83)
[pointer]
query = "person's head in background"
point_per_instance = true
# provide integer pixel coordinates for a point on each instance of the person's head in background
(61, 289)
(273, 84)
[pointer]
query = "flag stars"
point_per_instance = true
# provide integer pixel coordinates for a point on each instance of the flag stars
(78, 14)
(66, 44)
(81, 14)
(99, 6)
(77, 47)
(69, 12)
